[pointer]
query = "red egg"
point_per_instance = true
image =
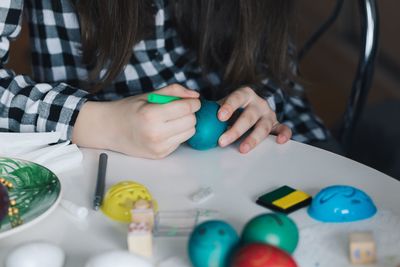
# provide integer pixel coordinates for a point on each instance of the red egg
(261, 255)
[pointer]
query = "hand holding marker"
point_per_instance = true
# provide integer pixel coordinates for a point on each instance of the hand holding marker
(208, 127)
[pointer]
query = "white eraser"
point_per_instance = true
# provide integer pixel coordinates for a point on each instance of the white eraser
(202, 194)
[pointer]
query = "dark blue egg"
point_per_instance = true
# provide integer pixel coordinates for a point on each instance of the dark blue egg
(211, 244)
(208, 127)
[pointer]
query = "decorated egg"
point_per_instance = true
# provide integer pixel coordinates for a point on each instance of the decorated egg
(341, 203)
(272, 228)
(211, 243)
(208, 127)
(121, 197)
(261, 255)
(4, 202)
(36, 254)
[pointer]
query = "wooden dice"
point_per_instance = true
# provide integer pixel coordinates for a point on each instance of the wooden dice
(140, 234)
(362, 248)
(140, 239)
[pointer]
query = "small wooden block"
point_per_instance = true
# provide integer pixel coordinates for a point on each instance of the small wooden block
(142, 204)
(362, 248)
(143, 212)
(140, 239)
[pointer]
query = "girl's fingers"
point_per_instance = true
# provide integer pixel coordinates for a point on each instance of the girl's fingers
(283, 133)
(245, 121)
(180, 125)
(238, 99)
(189, 103)
(177, 90)
(173, 110)
(262, 129)
(166, 142)
(181, 137)
(260, 132)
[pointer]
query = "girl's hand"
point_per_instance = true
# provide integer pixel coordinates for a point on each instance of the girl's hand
(256, 113)
(135, 127)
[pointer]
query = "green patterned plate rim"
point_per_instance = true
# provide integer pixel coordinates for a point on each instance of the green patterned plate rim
(35, 189)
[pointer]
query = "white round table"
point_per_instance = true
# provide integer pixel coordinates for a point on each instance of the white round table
(236, 180)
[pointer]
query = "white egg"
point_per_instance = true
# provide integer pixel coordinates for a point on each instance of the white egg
(118, 259)
(36, 254)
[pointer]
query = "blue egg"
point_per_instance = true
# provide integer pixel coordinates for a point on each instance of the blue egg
(341, 203)
(208, 127)
(211, 244)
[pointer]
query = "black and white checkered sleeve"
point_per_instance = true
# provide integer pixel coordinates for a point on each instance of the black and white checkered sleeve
(298, 114)
(273, 94)
(26, 106)
(294, 110)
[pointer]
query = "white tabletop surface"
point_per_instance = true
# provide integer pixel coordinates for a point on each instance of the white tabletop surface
(235, 178)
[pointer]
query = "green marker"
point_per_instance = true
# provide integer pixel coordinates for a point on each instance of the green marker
(161, 99)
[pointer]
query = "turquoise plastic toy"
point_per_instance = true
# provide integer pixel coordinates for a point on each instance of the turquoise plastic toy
(208, 127)
(275, 229)
(211, 244)
(341, 203)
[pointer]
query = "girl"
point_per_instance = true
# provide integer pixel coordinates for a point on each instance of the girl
(94, 61)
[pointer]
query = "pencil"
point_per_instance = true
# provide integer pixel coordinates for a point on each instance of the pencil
(161, 99)
(101, 181)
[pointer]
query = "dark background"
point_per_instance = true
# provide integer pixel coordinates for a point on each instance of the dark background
(327, 74)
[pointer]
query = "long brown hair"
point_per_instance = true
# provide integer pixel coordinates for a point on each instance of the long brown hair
(109, 29)
(244, 40)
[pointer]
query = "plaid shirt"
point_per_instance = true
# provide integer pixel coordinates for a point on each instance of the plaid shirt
(50, 100)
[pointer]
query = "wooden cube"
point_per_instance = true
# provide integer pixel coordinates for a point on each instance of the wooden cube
(143, 212)
(362, 248)
(140, 239)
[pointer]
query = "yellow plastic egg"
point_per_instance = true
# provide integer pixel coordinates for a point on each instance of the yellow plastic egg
(121, 197)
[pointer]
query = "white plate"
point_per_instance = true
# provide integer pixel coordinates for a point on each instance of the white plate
(36, 189)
